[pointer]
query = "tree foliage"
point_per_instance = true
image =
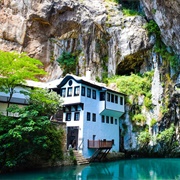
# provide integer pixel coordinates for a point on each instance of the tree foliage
(67, 62)
(19, 66)
(15, 68)
(30, 139)
(143, 139)
(47, 102)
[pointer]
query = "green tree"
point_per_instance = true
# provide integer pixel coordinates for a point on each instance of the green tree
(15, 68)
(67, 61)
(45, 100)
(30, 139)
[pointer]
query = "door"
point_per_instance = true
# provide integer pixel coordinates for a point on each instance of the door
(72, 137)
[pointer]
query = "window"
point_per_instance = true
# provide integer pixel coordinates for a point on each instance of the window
(121, 100)
(102, 119)
(108, 96)
(94, 117)
(76, 91)
(69, 93)
(63, 92)
(102, 96)
(112, 97)
(83, 91)
(115, 121)
(76, 116)
(116, 99)
(68, 116)
(111, 120)
(88, 92)
(107, 119)
(88, 116)
(70, 82)
(94, 94)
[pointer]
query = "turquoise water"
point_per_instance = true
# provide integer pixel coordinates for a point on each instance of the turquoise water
(153, 169)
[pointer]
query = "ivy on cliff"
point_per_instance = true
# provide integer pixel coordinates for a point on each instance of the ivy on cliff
(135, 86)
(68, 61)
(160, 48)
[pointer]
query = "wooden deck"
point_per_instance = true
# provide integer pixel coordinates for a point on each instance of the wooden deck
(100, 144)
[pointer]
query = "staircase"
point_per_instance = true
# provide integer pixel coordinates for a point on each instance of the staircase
(79, 158)
(100, 154)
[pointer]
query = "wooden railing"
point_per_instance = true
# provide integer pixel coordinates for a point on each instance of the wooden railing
(100, 144)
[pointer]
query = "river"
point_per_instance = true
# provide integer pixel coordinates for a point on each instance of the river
(135, 169)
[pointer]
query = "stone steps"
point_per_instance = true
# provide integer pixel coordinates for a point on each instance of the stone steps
(79, 158)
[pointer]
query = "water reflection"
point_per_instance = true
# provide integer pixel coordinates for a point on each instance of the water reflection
(119, 170)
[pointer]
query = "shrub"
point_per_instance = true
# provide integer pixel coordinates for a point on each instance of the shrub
(152, 28)
(153, 122)
(144, 138)
(139, 119)
(130, 12)
(67, 61)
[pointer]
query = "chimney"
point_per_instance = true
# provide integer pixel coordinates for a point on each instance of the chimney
(88, 74)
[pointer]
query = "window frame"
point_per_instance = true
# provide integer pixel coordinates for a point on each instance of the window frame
(107, 119)
(102, 96)
(121, 100)
(88, 116)
(112, 98)
(112, 120)
(94, 94)
(89, 92)
(68, 92)
(76, 88)
(116, 99)
(83, 91)
(103, 119)
(75, 115)
(67, 116)
(63, 92)
(108, 97)
(115, 121)
(94, 117)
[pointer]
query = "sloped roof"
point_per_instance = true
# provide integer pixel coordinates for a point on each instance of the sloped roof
(44, 85)
(86, 81)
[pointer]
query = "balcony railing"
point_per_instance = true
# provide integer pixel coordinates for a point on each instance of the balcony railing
(100, 144)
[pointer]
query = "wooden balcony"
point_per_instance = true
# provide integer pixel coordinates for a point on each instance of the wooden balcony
(100, 144)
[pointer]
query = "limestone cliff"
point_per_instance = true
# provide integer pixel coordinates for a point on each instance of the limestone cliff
(97, 29)
(167, 15)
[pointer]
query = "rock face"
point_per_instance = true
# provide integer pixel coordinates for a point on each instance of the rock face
(167, 15)
(100, 32)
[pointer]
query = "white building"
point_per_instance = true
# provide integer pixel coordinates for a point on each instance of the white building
(92, 114)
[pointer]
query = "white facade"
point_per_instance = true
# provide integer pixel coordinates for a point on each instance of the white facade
(91, 112)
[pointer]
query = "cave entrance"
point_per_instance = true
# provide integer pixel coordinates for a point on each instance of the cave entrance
(132, 63)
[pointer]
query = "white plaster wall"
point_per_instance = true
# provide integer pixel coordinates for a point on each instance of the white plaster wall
(87, 129)
(72, 99)
(115, 106)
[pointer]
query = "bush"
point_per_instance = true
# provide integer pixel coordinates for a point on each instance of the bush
(67, 61)
(153, 122)
(143, 139)
(139, 119)
(30, 139)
